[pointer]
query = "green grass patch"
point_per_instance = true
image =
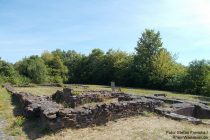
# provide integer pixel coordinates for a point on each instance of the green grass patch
(14, 124)
(5, 104)
(18, 121)
(147, 114)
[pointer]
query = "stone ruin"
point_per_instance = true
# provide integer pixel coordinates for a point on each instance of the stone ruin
(64, 109)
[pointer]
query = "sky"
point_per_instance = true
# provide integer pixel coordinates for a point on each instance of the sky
(29, 27)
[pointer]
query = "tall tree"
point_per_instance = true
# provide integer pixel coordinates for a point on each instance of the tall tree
(95, 67)
(117, 67)
(148, 46)
(73, 61)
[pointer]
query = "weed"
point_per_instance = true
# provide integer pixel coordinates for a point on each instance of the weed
(146, 113)
(18, 121)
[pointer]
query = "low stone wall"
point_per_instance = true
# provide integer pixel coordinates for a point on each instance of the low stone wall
(179, 109)
(98, 114)
(185, 111)
(31, 105)
(55, 116)
(66, 97)
(197, 111)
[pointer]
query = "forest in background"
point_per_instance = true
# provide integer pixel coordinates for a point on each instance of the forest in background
(151, 66)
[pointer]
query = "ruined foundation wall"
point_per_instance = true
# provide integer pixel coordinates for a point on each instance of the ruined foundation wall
(55, 116)
(66, 97)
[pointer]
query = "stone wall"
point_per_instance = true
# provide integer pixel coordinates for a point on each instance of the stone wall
(197, 111)
(66, 97)
(54, 116)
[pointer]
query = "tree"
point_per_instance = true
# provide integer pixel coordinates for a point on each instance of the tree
(60, 53)
(8, 73)
(73, 61)
(164, 68)
(148, 47)
(117, 67)
(6, 69)
(177, 82)
(88, 69)
(33, 68)
(198, 77)
(47, 57)
(94, 66)
(56, 70)
(59, 70)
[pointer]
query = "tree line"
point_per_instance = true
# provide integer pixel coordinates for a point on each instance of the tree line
(150, 66)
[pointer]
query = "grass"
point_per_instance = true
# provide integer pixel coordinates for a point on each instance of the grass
(146, 126)
(17, 126)
(5, 103)
(39, 90)
(133, 128)
(169, 94)
(13, 124)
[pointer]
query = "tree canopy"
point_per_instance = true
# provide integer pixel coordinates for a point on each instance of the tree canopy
(150, 66)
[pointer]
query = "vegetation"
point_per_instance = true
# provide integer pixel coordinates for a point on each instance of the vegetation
(13, 123)
(198, 77)
(150, 66)
(33, 68)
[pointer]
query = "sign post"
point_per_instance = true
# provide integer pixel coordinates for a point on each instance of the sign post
(113, 86)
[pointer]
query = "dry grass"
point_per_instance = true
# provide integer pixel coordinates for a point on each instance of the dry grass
(39, 90)
(133, 128)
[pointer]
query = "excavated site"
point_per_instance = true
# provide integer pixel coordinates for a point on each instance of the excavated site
(64, 109)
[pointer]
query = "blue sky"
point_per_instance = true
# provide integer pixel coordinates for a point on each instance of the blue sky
(32, 26)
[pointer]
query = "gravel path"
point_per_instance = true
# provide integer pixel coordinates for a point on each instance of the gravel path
(4, 136)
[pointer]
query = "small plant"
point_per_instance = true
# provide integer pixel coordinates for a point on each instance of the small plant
(15, 128)
(146, 113)
(18, 121)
